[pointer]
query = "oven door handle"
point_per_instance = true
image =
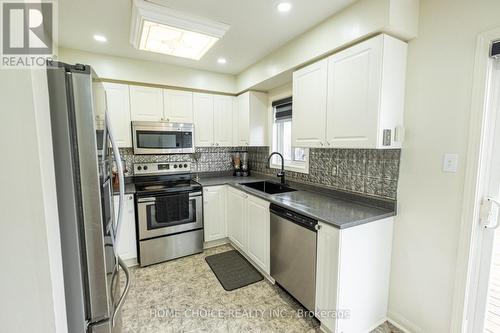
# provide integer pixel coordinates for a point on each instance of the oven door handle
(153, 199)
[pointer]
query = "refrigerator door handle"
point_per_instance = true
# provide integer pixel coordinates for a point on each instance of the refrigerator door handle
(122, 264)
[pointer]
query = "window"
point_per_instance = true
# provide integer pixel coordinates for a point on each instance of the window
(296, 159)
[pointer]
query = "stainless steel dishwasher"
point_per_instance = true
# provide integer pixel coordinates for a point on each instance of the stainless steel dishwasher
(293, 254)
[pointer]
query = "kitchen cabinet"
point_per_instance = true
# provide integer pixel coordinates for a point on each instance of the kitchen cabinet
(99, 103)
(214, 212)
(127, 243)
(309, 105)
(237, 217)
(352, 99)
(118, 106)
(203, 120)
(223, 120)
(177, 106)
(252, 119)
(352, 273)
(366, 94)
(258, 226)
(146, 103)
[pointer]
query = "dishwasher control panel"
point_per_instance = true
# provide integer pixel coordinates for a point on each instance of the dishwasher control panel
(294, 217)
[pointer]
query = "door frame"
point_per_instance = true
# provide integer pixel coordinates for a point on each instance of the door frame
(468, 253)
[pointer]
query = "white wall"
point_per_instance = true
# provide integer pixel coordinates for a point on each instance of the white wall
(438, 97)
(118, 68)
(363, 18)
(31, 289)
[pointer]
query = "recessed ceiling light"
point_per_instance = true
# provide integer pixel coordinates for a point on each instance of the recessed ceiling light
(163, 30)
(222, 61)
(284, 7)
(100, 38)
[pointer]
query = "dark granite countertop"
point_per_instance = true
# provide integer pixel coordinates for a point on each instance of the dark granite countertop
(332, 207)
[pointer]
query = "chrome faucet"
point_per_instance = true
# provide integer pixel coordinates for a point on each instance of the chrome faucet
(281, 173)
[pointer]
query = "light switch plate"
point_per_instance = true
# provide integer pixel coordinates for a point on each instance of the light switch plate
(450, 162)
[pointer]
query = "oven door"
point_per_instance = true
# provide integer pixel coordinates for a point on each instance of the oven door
(162, 138)
(149, 227)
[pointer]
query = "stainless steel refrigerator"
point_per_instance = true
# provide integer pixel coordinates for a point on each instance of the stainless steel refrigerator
(88, 228)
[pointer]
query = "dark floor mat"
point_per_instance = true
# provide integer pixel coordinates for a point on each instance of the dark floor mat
(232, 270)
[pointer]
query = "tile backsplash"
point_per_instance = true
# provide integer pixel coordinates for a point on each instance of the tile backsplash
(364, 171)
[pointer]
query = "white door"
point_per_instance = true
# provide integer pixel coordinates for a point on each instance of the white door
(178, 106)
(487, 307)
(354, 79)
(223, 120)
(203, 120)
(309, 105)
(146, 103)
(236, 217)
(117, 96)
(127, 244)
(214, 212)
(244, 119)
(258, 225)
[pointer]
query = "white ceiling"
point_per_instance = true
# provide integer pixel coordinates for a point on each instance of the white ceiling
(257, 28)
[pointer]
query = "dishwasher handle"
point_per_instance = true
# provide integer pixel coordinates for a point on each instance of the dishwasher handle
(294, 217)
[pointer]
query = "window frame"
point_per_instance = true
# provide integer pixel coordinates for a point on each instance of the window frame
(290, 165)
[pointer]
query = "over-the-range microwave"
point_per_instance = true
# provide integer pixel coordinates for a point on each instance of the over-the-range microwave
(160, 137)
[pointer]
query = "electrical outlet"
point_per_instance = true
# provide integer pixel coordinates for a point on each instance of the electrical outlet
(450, 162)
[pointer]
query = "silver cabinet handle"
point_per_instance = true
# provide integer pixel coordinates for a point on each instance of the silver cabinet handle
(327, 143)
(321, 144)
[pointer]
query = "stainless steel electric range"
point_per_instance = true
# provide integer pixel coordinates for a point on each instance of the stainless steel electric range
(169, 209)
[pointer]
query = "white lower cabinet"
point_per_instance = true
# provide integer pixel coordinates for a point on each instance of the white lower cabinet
(127, 244)
(214, 212)
(258, 226)
(237, 217)
(352, 275)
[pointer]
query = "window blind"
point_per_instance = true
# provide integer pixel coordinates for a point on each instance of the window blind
(495, 49)
(282, 109)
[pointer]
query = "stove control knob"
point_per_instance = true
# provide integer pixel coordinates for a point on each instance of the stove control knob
(185, 165)
(180, 165)
(139, 168)
(175, 166)
(145, 167)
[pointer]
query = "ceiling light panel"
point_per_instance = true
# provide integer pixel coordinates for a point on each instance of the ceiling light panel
(163, 30)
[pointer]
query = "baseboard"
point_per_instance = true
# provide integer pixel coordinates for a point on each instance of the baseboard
(131, 262)
(215, 243)
(402, 323)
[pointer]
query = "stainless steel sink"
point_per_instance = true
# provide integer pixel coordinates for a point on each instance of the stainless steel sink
(269, 187)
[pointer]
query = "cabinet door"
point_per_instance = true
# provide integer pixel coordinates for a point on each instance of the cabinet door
(235, 123)
(244, 119)
(327, 273)
(354, 78)
(117, 96)
(258, 217)
(146, 103)
(99, 103)
(214, 208)
(236, 217)
(178, 106)
(223, 120)
(309, 105)
(204, 120)
(127, 244)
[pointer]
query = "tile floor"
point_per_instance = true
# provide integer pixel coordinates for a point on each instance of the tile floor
(184, 295)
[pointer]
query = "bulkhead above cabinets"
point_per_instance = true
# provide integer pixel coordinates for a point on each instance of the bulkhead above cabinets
(352, 99)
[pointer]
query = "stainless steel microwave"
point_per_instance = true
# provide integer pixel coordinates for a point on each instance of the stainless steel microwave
(160, 137)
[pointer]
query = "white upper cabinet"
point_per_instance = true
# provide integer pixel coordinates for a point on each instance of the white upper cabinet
(223, 120)
(203, 119)
(146, 103)
(309, 105)
(99, 103)
(252, 119)
(353, 99)
(214, 212)
(117, 96)
(366, 94)
(177, 106)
